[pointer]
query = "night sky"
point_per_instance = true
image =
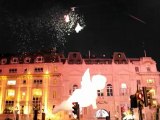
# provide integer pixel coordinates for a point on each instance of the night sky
(129, 26)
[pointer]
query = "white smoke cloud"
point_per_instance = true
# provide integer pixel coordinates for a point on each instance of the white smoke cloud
(86, 95)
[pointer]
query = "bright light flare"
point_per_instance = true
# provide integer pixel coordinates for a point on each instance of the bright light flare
(78, 28)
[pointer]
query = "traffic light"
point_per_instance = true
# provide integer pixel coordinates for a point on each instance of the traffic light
(75, 108)
(133, 101)
(139, 96)
(147, 96)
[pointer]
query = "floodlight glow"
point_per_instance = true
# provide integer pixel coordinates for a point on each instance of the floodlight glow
(86, 95)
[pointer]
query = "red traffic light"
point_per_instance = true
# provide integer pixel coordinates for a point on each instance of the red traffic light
(139, 96)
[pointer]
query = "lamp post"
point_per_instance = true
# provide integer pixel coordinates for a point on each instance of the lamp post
(16, 113)
(43, 114)
(35, 113)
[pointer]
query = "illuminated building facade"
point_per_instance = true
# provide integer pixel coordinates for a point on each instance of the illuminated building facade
(45, 80)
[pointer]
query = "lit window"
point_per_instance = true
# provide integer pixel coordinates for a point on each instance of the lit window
(119, 55)
(37, 92)
(123, 85)
(11, 93)
(150, 81)
(23, 95)
(123, 89)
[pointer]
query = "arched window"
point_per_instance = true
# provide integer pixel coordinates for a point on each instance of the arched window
(3, 61)
(109, 90)
(74, 87)
(14, 60)
(27, 60)
(39, 59)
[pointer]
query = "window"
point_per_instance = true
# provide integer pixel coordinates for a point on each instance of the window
(14, 60)
(137, 69)
(23, 95)
(9, 103)
(3, 61)
(85, 110)
(25, 70)
(75, 87)
(39, 59)
(100, 92)
(119, 55)
(10, 93)
(24, 82)
(36, 103)
(148, 69)
(109, 90)
(138, 82)
(74, 55)
(55, 68)
(9, 107)
(0, 70)
(38, 69)
(123, 89)
(13, 70)
(54, 81)
(37, 82)
(27, 60)
(54, 94)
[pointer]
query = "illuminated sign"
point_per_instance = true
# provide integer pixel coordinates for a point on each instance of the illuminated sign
(11, 82)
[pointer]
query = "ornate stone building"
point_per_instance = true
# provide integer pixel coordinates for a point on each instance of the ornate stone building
(45, 80)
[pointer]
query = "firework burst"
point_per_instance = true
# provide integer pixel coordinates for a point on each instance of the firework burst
(47, 29)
